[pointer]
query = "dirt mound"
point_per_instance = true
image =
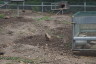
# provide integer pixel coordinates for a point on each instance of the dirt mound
(61, 40)
(25, 37)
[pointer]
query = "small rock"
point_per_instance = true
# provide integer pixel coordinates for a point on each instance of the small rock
(29, 56)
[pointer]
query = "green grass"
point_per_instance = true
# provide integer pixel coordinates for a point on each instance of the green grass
(2, 15)
(17, 59)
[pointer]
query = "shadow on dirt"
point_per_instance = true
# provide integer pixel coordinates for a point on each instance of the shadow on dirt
(85, 53)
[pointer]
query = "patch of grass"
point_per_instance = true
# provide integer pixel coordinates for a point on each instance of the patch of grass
(44, 18)
(2, 15)
(1, 29)
(17, 59)
(65, 22)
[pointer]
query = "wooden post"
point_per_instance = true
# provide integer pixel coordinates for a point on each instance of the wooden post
(55, 5)
(62, 11)
(85, 6)
(51, 6)
(42, 7)
(17, 9)
(23, 4)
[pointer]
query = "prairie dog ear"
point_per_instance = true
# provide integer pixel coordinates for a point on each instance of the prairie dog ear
(48, 37)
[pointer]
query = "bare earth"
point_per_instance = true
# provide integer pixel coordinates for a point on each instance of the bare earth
(25, 37)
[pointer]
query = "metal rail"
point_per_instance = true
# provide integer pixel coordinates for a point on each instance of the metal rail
(1, 5)
(56, 5)
(84, 38)
(84, 49)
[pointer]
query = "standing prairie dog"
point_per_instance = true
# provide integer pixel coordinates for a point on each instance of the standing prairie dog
(48, 37)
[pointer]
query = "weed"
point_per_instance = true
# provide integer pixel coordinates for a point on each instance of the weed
(65, 22)
(17, 59)
(2, 15)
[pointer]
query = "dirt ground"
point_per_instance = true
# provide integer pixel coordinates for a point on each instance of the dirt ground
(25, 37)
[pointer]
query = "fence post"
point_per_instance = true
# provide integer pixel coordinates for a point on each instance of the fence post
(17, 9)
(51, 6)
(85, 6)
(42, 7)
(23, 5)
